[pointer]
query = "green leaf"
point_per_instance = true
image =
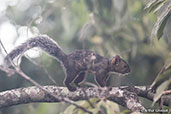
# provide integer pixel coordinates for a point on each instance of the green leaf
(168, 63)
(160, 90)
(109, 106)
(154, 5)
(164, 73)
(157, 5)
(162, 76)
(112, 107)
(160, 20)
(162, 26)
(70, 110)
(150, 4)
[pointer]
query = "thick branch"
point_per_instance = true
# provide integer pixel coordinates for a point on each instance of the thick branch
(124, 96)
(34, 94)
(143, 92)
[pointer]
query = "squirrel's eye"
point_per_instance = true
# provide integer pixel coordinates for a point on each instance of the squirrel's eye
(125, 66)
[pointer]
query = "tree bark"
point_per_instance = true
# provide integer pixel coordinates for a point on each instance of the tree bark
(122, 95)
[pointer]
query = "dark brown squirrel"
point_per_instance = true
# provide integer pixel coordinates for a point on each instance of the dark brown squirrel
(75, 64)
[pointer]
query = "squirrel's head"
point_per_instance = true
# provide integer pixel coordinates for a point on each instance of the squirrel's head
(119, 65)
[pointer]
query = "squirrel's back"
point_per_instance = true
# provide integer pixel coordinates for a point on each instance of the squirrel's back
(44, 42)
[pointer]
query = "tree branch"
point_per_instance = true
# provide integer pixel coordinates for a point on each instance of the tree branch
(126, 96)
(35, 94)
(142, 91)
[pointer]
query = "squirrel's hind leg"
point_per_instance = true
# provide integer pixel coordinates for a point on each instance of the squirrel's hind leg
(71, 74)
(79, 79)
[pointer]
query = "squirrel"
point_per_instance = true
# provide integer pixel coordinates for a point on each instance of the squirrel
(75, 64)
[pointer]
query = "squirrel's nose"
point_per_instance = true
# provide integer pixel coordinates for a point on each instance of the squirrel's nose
(128, 70)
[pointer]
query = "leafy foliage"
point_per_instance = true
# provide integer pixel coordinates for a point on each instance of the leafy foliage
(163, 8)
(102, 106)
(160, 90)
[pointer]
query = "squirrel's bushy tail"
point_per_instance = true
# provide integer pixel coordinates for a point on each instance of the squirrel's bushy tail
(43, 42)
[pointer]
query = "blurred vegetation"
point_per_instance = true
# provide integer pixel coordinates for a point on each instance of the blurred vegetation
(108, 27)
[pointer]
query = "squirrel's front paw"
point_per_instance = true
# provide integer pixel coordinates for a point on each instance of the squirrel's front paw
(72, 88)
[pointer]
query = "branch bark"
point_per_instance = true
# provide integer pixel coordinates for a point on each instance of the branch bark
(126, 96)
(35, 94)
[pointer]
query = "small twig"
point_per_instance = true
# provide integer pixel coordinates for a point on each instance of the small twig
(98, 94)
(19, 71)
(163, 69)
(88, 99)
(7, 53)
(22, 74)
(44, 69)
(9, 71)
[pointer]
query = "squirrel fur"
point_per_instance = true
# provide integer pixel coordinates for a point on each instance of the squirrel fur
(76, 64)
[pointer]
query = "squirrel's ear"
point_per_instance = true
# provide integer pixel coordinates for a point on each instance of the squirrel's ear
(115, 59)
